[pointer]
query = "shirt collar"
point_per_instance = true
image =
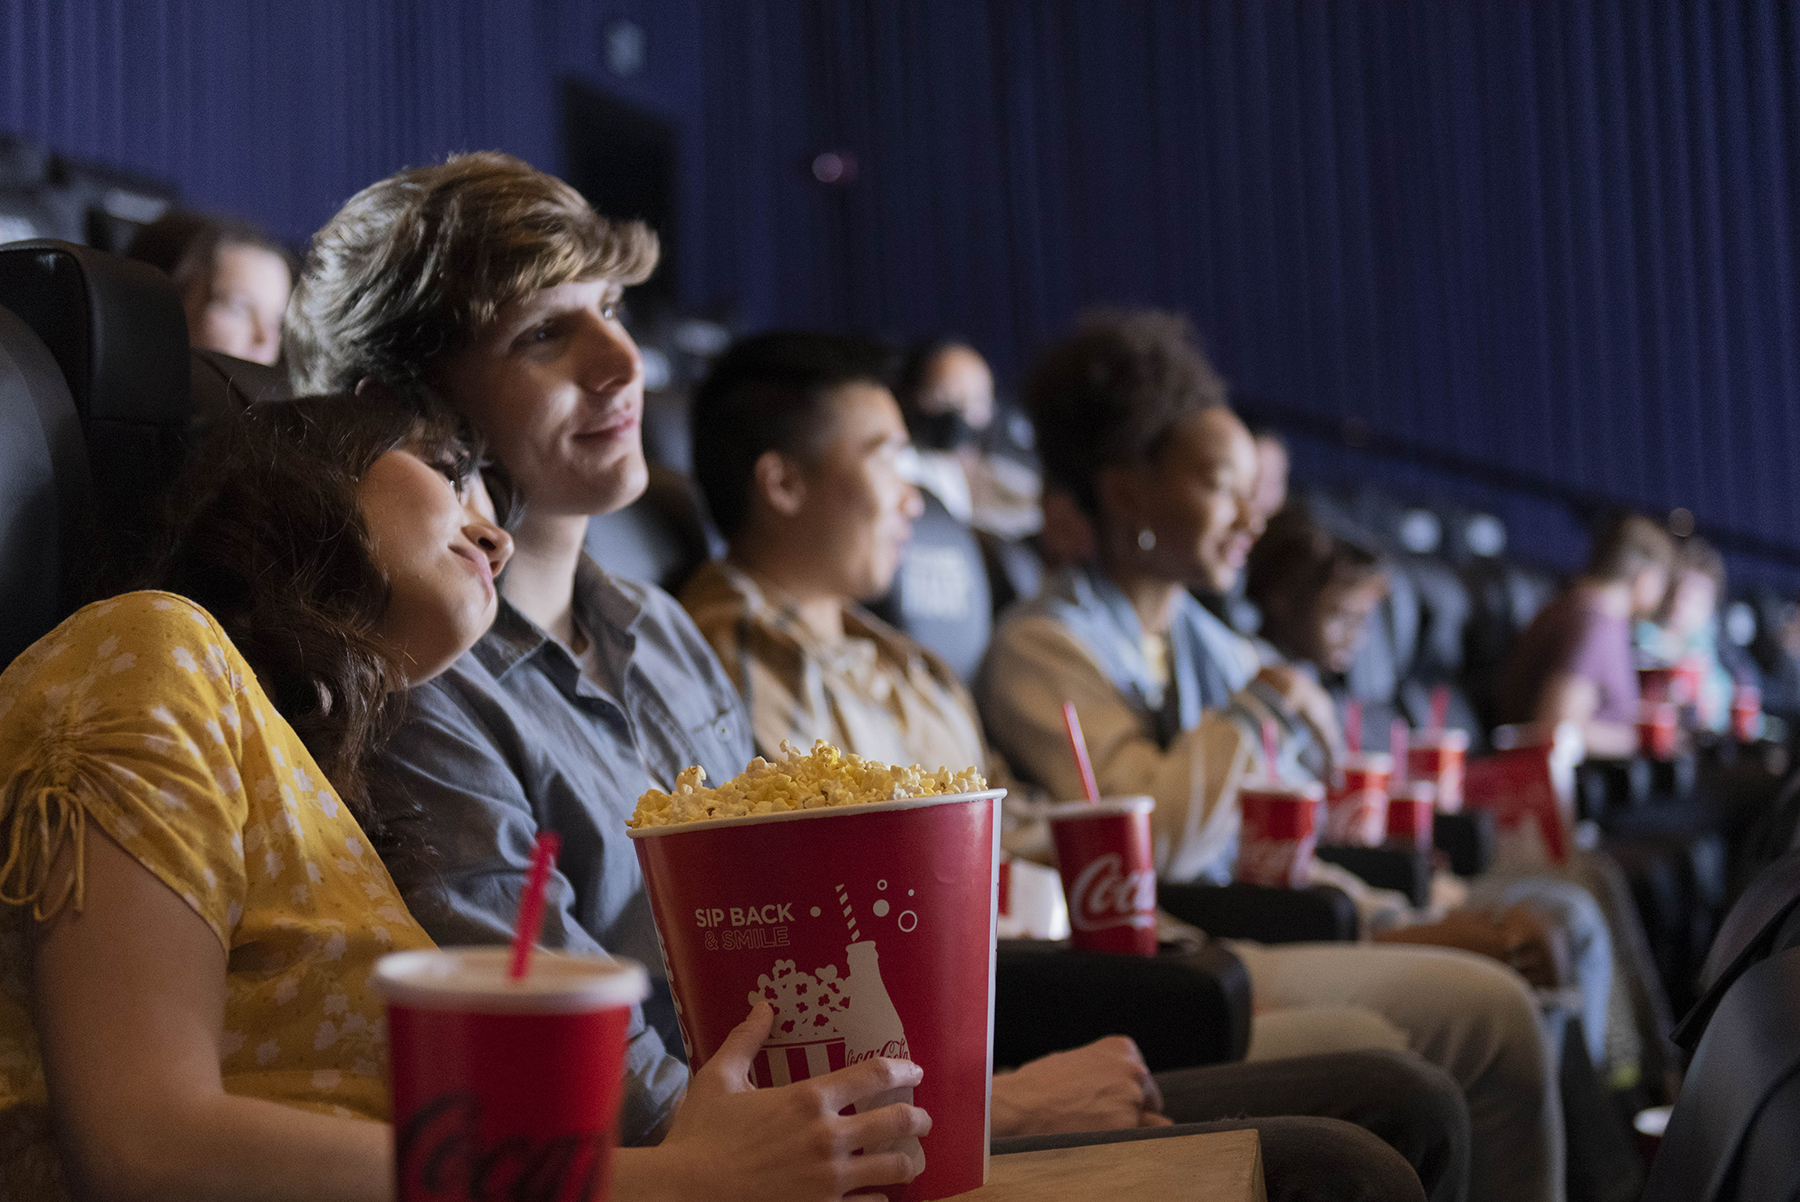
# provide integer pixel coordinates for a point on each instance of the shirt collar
(604, 610)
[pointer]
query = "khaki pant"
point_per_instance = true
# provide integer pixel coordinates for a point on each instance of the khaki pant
(1470, 1016)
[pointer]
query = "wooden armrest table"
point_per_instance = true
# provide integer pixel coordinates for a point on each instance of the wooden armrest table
(1224, 1166)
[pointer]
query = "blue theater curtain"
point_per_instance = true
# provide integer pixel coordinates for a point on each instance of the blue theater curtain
(1556, 237)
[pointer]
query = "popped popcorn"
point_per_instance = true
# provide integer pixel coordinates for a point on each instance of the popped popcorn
(821, 777)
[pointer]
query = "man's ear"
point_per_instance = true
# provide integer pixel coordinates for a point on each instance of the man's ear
(779, 483)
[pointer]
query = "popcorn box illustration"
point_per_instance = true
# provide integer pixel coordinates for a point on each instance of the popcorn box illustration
(1356, 811)
(1279, 834)
(868, 928)
(1108, 873)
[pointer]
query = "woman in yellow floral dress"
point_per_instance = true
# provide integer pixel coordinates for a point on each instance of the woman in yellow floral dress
(192, 882)
(194, 910)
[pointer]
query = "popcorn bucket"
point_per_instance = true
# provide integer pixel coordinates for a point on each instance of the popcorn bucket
(1437, 756)
(1108, 874)
(1279, 833)
(1409, 816)
(1356, 811)
(869, 928)
(1656, 729)
(502, 1088)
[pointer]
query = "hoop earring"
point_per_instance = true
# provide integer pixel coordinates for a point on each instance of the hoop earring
(1146, 539)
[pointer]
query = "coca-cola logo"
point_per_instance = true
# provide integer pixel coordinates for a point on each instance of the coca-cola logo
(440, 1154)
(1106, 896)
(893, 1049)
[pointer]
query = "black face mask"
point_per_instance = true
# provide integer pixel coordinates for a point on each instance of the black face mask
(946, 431)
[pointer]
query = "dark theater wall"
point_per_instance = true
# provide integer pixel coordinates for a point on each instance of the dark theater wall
(1557, 238)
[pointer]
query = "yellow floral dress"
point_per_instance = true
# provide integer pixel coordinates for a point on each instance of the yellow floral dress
(137, 714)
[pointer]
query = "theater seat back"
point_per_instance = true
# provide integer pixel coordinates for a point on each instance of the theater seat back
(661, 538)
(117, 332)
(1731, 1137)
(941, 595)
(45, 490)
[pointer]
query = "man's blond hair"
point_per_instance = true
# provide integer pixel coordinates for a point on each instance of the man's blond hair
(417, 265)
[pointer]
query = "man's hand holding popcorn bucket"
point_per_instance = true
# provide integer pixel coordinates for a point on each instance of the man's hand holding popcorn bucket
(850, 907)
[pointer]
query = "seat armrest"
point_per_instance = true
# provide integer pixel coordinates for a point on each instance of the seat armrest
(1184, 1006)
(1407, 872)
(1262, 913)
(1467, 837)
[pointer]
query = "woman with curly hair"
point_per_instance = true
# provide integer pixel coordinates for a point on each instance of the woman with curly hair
(1133, 426)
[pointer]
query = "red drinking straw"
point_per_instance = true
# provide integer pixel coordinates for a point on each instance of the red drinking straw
(531, 905)
(1398, 735)
(1440, 707)
(1353, 726)
(1268, 733)
(1078, 745)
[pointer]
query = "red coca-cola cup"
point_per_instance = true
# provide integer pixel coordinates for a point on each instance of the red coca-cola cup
(869, 928)
(505, 1089)
(1356, 811)
(1746, 713)
(1656, 729)
(1658, 684)
(1410, 814)
(1108, 873)
(1437, 756)
(1279, 833)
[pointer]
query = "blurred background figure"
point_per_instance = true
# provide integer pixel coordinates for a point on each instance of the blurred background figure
(1573, 663)
(1271, 474)
(971, 456)
(234, 280)
(1315, 591)
(1684, 632)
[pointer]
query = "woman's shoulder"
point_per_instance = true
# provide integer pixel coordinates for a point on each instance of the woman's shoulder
(141, 637)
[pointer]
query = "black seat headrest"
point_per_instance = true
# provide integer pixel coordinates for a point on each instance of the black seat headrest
(45, 491)
(115, 326)
(222, 385)
(941, 595)
(661, 538)
(117, 331)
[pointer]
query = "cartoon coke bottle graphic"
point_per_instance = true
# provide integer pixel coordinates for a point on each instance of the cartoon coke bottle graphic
(871, 1027)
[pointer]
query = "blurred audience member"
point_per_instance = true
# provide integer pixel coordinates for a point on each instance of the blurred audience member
(798, 448)
(1132, 424)
(1315, 590)
(1271, 475)
(1573, 663)
(234, 280)
(1684, 632)
(946, 394)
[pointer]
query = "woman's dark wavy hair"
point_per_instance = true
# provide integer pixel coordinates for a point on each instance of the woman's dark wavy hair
(265, 530)
(1109, 394)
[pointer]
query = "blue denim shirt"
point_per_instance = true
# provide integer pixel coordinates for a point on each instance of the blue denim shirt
(514, 739)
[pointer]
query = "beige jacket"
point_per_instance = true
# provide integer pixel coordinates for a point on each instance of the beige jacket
(878, 693)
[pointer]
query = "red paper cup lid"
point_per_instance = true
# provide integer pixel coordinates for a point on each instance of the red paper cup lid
(1441, 740)
(1310, 790)
(1096, 809)
(873, 807)
(474, 980)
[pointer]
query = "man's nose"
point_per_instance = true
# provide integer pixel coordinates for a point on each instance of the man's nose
(610, 359)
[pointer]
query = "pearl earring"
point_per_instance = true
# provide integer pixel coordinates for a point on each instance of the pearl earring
(1146, 539)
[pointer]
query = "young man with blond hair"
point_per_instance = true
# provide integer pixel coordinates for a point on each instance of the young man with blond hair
(497, 287)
